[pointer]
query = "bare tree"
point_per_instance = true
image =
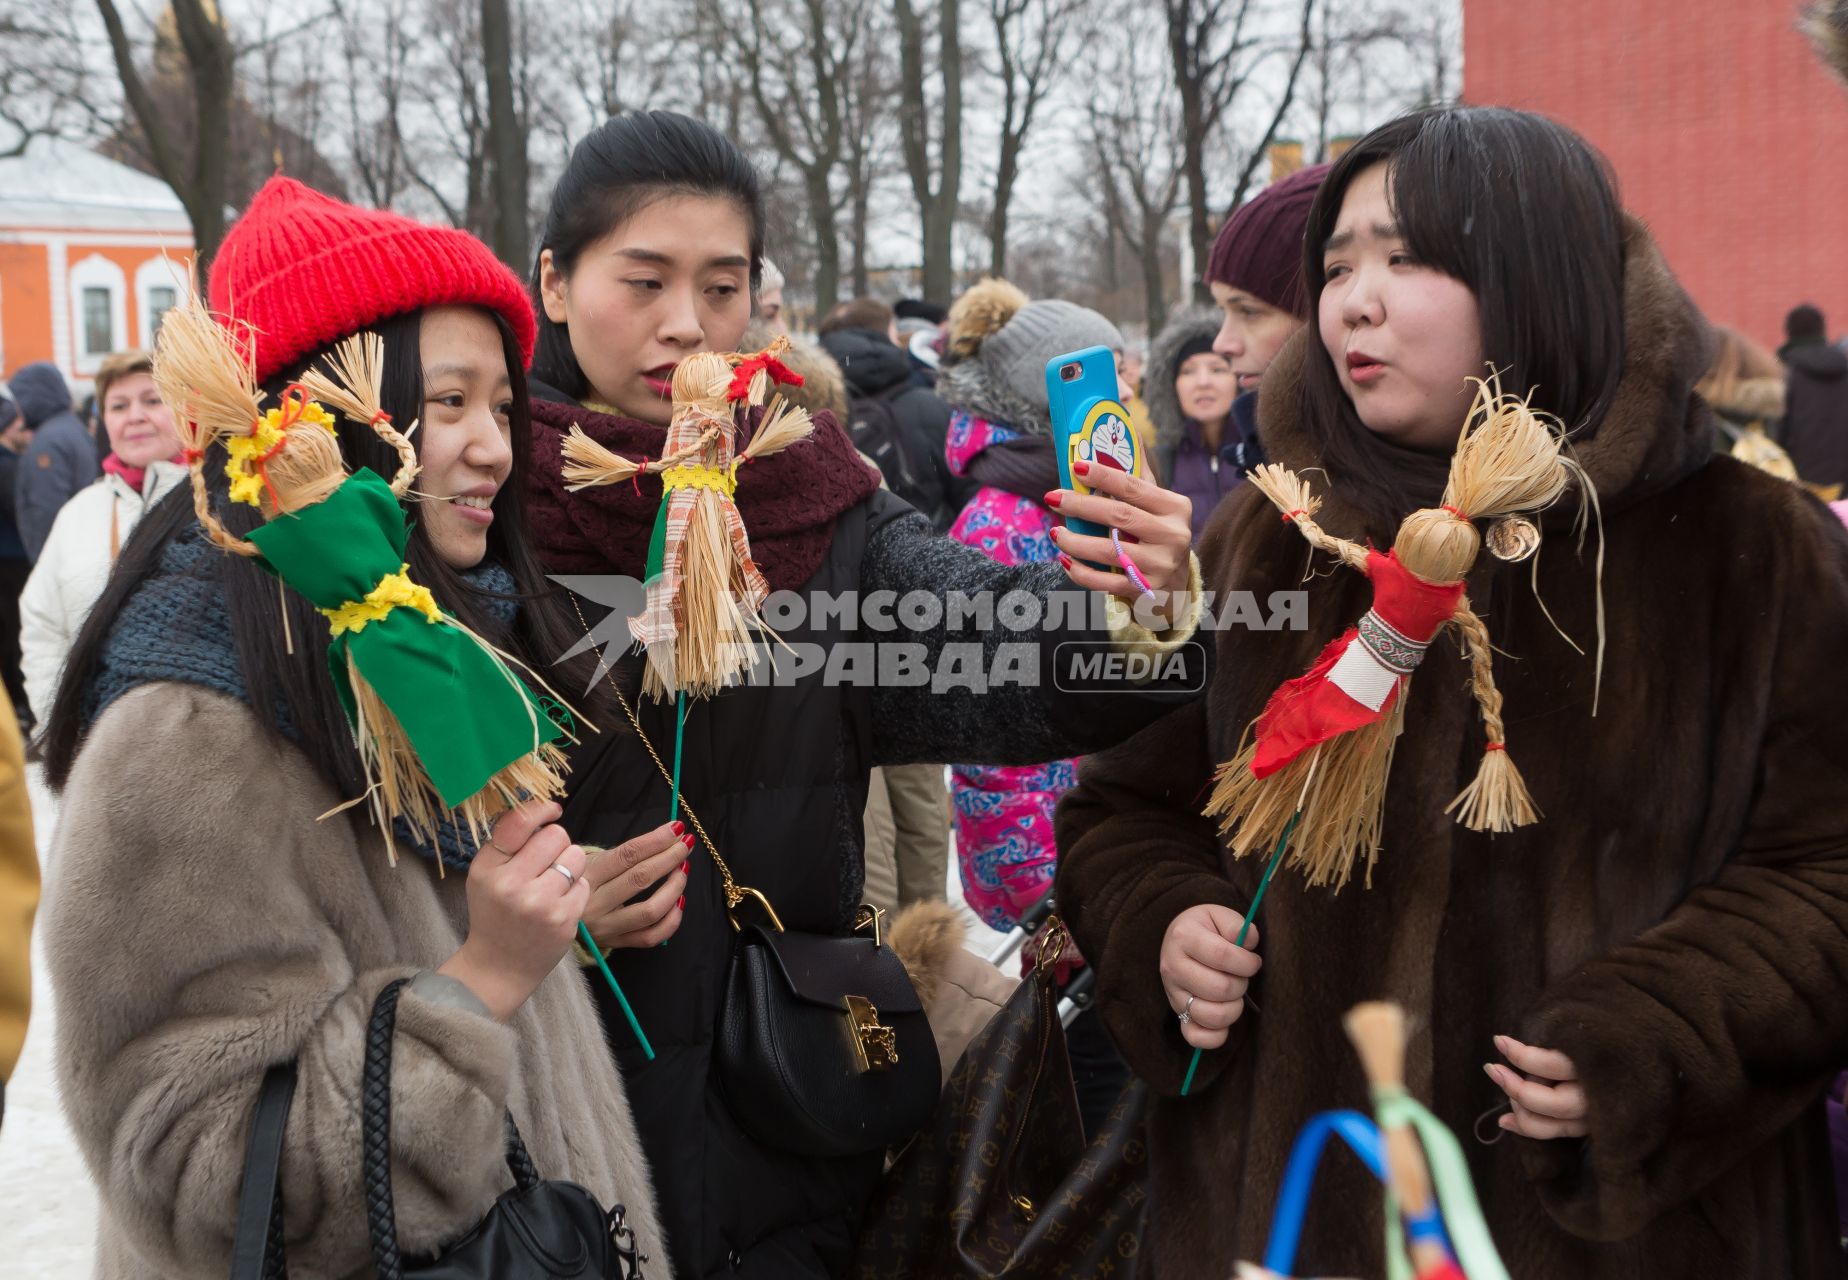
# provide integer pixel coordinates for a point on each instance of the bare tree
(377, 42)
(612, 55)
(45, 88)
(506, 140)
(871, 139)
(798, 59)
(1216, 48)
(1431, 31)
(194, 166)
(1258, 151)
(1135, 133)
(1032, 38)
(933, 158)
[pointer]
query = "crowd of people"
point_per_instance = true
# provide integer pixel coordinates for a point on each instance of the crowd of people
(1629, 1010)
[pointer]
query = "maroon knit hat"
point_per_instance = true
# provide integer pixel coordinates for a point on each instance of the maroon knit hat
(1260, 247)
(304, 269)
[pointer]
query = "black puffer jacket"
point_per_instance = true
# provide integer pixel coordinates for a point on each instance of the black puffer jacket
(1815, 430)
(777, 774)
(877, 370)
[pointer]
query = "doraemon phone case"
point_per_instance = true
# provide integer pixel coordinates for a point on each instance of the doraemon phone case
(1089, 424)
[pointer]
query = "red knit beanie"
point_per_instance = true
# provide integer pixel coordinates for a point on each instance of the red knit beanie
(305, 269)
(1260, 247)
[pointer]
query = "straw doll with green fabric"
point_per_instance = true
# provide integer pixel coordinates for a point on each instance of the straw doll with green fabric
(441, 721)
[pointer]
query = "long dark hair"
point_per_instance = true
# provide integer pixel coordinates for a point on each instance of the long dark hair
(615, 171)
(1524, 212)
(296, 686)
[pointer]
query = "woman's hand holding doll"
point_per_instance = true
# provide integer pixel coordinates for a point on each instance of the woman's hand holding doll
(1205, 972)
(1156, 525)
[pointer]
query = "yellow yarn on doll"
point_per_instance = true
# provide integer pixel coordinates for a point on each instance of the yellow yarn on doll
(248, 453)
(395, 590)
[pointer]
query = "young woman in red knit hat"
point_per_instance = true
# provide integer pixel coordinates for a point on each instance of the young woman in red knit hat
(652, 247)
(1628, 1009)
(216, 906)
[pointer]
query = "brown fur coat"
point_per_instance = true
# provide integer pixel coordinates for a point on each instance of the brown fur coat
(1677, 923)
(201, 926)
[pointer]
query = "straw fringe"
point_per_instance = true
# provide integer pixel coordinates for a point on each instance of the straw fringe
(1508, 459)
(716, 624)
(1339, 788)
(589, 465)
(210, 388)
(785, 424)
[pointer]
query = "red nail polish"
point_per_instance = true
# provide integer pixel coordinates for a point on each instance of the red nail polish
(687, 840)
(686, 868)
(1065, 562)
(1054, 498)
(680, 828)
(682, 904)
(1081, 468)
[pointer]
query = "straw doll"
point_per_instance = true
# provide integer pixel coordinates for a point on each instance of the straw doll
(440, 719)
(705, 593)
(1314, 768)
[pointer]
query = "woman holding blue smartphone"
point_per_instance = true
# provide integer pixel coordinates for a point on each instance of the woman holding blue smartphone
(652, 248)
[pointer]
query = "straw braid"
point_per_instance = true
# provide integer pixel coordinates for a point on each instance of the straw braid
(1497, 798)
(1291, 495)
(1474, 633)
(357, 367)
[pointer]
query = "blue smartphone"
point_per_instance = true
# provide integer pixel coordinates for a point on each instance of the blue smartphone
(1089, 423)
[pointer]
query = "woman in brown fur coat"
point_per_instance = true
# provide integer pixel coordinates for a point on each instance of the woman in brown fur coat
(1644, 990)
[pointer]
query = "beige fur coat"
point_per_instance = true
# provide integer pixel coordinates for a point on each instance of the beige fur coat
(202, 925)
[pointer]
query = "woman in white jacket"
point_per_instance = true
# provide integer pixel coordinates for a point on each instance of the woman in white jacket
(93, 525)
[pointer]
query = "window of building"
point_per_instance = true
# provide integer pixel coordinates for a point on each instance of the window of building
(161, 299)
(98, 327)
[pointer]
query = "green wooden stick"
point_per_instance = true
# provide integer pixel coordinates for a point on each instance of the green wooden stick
(1283, 842)
(590, 944)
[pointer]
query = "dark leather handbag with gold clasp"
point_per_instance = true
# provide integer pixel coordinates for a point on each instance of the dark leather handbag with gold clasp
(823, 1048)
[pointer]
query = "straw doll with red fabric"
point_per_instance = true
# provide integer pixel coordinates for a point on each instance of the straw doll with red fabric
(1313, 772)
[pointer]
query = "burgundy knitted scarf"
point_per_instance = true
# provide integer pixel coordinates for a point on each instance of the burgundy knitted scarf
(789, 500)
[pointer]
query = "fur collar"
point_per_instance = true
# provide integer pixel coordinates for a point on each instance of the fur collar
(968, 385)
(1159, 372)
(1656, 433)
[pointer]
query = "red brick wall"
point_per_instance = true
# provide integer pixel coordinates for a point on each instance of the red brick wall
(1727, 135)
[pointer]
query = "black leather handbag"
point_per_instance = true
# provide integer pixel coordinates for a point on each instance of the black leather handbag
(548, 1230)
(823, 1048)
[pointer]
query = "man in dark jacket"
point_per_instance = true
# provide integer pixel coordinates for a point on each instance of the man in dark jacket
(900, 425)
(1815, 428)
(61, 458)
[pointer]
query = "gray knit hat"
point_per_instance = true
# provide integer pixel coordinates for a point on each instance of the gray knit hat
(1016, 354)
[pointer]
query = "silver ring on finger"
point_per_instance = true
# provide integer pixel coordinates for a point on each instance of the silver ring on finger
(1186, 1013)
(569, 875)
